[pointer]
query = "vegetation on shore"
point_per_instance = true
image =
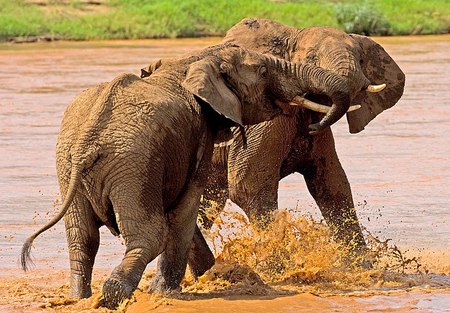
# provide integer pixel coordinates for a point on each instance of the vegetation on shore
(132, 19)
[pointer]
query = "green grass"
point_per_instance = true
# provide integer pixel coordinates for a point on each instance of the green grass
(418, 16)
(16, 19)
(364, 18)
(396, 17)
(122, 19)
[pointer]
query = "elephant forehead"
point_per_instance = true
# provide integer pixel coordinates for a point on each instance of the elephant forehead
(241, 58)
(251, 60)
(324, 36)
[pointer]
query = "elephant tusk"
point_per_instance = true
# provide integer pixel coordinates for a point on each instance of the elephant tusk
(376, 88)
(299, 101)
(354, 107)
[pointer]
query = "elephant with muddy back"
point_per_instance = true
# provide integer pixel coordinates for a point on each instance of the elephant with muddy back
(133, 155)
(289, 144)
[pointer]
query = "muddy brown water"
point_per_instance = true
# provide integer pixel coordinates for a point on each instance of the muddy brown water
(399, 169)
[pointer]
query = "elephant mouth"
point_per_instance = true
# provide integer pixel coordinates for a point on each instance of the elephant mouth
(285, 107)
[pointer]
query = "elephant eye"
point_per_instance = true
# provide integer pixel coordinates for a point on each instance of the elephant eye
(225, 68)
(262, 70)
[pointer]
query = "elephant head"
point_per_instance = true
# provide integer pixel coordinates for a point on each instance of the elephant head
(363, 63)
(249, 87)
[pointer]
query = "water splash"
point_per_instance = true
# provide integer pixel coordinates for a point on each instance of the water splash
(297, 253)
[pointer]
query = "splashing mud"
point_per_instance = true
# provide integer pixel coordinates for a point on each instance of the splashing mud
(297, 253)
(295, 256)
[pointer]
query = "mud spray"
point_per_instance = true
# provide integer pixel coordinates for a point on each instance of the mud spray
(294, 254)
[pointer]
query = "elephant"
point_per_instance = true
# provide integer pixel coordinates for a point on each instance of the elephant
(133, 155)
(277, 148)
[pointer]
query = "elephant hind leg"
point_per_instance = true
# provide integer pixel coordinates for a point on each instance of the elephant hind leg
(144, 230)
(83, 240)
(182, 223)
(182, 226)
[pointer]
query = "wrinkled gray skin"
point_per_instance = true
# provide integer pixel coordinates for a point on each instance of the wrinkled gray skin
(133, 154)
(278, 148)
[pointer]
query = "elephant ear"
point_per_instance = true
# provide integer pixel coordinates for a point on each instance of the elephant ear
(148, 70)
(379, 68)
(205, 81)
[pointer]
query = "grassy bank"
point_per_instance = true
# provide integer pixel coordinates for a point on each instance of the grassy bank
(118, 19)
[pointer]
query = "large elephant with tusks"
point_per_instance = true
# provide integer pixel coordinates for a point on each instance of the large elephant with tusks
(289, 144)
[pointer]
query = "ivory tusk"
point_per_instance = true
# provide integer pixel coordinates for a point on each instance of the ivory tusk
(354, 107)
(299, 101)
(376, 88)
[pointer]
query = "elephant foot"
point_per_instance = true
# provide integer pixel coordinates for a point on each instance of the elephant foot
(114, 293)
(77, 293)
(360, 258)
(163, 287)
(199, 267)
(365, 260)
(79, 289)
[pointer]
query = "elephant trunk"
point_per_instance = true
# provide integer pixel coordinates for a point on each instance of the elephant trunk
(344, 63)
(309, 78)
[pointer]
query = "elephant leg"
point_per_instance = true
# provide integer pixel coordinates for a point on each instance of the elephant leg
(216, 189)
(200, 257)
(182, 226)
(329, 186)
(83, 241)
(172, 262)
(144, 230)
(260, 199)
(254, 171)
(214, 196)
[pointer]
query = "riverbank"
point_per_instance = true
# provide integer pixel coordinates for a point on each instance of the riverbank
(48, 20)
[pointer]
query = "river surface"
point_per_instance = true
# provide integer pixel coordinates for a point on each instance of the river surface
(398, 167)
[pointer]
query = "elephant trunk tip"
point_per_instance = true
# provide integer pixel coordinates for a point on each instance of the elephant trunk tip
(25, 256)
(340, 106)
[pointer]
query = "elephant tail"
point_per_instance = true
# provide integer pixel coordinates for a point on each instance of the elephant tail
(75, 176)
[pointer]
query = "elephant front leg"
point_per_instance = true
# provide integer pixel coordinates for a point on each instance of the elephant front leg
(329, 186)
(83, 241)
(258, 203)
(200, 257)
(214, 196)
(254, 171)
